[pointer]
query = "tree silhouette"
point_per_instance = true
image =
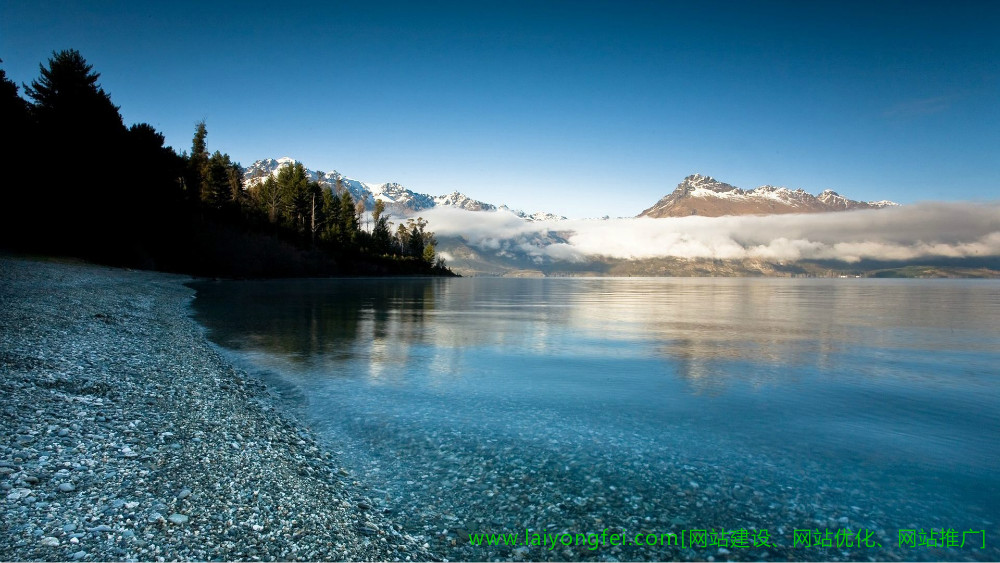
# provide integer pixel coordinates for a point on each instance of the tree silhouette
(68, 99)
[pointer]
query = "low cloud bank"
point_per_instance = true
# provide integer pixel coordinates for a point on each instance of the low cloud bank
(952, 230)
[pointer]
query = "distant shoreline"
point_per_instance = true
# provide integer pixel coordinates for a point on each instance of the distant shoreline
(128, 437)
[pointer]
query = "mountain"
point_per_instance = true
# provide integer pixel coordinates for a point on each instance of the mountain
(398, 199)
(708, 197)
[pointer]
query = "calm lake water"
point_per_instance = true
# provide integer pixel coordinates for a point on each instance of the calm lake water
(645, 405)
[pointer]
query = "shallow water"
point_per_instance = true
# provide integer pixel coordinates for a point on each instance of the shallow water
(645, 405)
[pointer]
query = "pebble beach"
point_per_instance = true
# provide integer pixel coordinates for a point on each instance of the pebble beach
(124, 435)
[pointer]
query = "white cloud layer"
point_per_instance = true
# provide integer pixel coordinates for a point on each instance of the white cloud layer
(923, 230)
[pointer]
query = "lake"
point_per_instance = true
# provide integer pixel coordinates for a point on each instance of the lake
(793, 412)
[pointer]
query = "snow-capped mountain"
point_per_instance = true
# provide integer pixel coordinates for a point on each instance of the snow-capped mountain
(398, 199)
(706, 196)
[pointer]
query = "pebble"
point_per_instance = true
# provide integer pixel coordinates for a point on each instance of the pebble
(178, 518)
(132, 405)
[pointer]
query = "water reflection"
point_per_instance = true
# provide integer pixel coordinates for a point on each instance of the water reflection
(693, 325)
(302, 320)
(826, 397)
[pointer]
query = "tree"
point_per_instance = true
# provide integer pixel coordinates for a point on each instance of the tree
(269, 197)
(348, 219)
(294, 186)
(416, 240)
(68, 100)
(18, 136)
(14, 111)
(381, 235)
(222, 182)
(197, 161)
(428, 254)
(78, 127)
(331, 213)
(157, 167)
(402, 239)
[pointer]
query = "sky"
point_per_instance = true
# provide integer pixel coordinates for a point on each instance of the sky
(582, 109)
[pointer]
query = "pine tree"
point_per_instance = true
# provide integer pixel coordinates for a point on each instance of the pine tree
(197, 162)
(69, 100)
(381, 235)
(428, 254)
(14, 111)
(18, 135)
(348, 219)
(78, 127)
(330, 231)
(294, 186)
(216, 187)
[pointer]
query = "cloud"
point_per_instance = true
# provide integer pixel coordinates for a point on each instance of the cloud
(920, 107)
(923, 230)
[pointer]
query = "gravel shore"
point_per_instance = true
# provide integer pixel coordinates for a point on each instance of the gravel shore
(125, 436)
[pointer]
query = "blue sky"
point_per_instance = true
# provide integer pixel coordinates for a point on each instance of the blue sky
(578, 108)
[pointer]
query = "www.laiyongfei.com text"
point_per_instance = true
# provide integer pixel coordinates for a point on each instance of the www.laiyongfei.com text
(737, 539)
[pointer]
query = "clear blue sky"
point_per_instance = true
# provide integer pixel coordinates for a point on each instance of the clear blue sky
(578, 108)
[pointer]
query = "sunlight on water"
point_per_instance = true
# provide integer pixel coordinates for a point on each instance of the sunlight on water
(486, 404)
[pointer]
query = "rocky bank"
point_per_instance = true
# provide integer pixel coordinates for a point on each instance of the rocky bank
(124, 435)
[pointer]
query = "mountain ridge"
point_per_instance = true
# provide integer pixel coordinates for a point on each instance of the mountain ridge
(708, 197)
(397, 198)
(695, 195)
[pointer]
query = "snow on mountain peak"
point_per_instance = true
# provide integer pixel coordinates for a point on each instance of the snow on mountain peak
(706, 196)
(398, 199)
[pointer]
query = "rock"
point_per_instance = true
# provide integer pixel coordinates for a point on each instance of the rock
(66, 487)
(78, 555)
(18, 494)
(177, 518)
(185, 493)
(49, 541)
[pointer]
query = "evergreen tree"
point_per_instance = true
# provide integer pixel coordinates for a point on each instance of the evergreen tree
(68, 100)
(219, 184)
(294, 186)
(18, 136)
(381, 236)
(348, 219)
(79, 127)
(428, 254)
(157, 168)
(14, 111)
(331, 212)
(416, 242)
(197, 162)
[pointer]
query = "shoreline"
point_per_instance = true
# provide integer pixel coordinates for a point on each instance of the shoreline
(126, 436)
